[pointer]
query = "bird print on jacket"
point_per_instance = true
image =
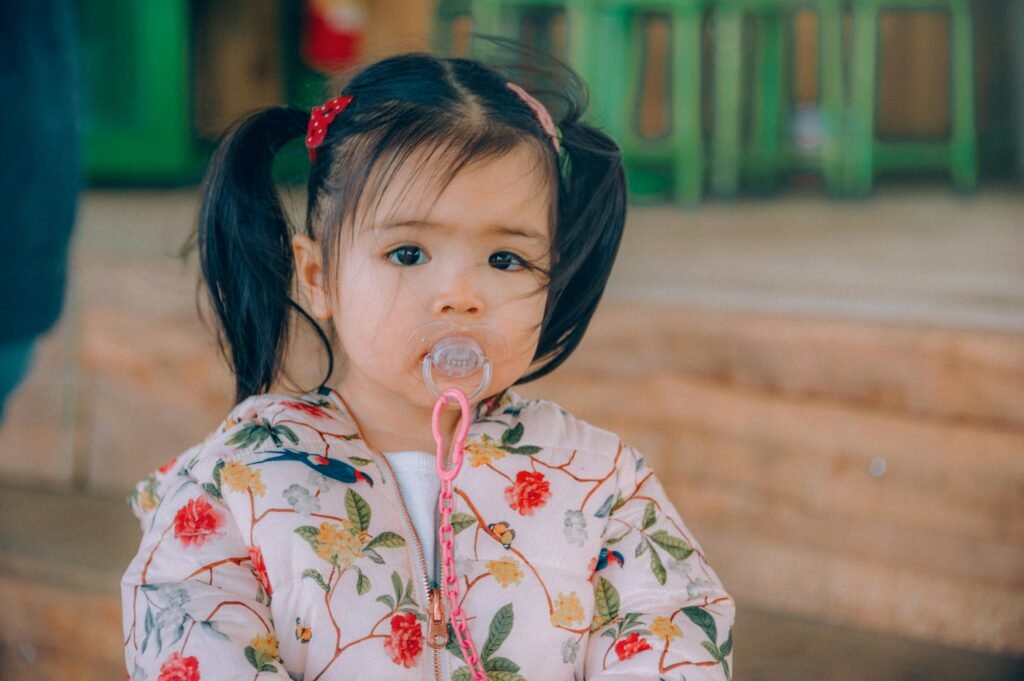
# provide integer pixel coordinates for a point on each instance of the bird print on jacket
(332, 468)
(280, 548)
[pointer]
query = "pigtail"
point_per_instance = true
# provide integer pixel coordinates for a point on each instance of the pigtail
(245, 247)
(591, 217)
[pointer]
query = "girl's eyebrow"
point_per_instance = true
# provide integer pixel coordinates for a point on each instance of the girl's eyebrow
(497, 228)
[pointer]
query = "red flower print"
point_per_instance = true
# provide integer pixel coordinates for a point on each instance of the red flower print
(406, 640)
(311, 409)
(195, 522)
(530, 491)
(167, 466)
(178, 668)
(630, 646)
(259, 568)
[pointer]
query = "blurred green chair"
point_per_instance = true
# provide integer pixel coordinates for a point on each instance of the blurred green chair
(765, 154)
(137, 103)
(605, 44)
(445, 16)
(866, 153)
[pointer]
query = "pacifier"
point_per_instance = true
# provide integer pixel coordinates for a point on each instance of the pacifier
(455, 353)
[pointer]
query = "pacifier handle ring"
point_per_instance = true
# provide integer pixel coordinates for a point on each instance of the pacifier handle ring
(460, 436)
(428, 378)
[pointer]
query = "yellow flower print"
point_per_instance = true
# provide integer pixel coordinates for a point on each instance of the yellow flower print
(506, 570)
(665, 629)
(568, 610)
(266, 644)
(239, 477)
(481, 452)
(340, 544)
(148, 499)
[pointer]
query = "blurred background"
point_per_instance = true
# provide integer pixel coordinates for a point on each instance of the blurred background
(815, 329)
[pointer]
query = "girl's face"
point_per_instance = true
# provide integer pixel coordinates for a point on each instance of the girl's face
(414, 260)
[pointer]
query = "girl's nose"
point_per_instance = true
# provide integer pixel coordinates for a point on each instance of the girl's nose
(460, 296)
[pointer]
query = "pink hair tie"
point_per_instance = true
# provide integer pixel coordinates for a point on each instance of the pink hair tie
(540, 111)
(319, 118)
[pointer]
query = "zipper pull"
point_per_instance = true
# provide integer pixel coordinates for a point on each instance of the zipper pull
(437, 630)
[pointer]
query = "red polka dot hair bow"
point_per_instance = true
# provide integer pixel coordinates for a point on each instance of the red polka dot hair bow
(319, 118)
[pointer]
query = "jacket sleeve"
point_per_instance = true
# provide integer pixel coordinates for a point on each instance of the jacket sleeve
(192, 604)
(660, 610)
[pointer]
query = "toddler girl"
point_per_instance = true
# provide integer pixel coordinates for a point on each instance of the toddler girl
(457, 241)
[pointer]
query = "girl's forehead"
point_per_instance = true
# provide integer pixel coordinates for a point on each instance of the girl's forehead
(511, 188)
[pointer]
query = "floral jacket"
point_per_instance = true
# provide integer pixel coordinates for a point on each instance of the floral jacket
(280, 548)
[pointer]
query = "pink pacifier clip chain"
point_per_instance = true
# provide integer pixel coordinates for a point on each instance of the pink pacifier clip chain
(445, 500)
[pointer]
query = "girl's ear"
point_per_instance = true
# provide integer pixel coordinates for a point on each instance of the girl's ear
(310, 273)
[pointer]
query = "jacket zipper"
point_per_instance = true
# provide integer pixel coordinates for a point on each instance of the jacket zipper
(437, 632)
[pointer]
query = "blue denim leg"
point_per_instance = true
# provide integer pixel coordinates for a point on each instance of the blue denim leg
(15, 360)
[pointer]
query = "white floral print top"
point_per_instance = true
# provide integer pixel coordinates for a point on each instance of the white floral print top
(280, 548)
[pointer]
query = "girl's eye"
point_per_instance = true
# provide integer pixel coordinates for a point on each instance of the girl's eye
(408, 256)
(506, 261)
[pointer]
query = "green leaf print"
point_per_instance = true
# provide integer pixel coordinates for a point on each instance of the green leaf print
(649, 516)
(658, 568)
(500, 664)
(147, 628)
(259, 660)
(512, 435)
(362, 583)
(615, 540)
(453, 644)
(374, 556)
(643, 546)
(396, 582)
(211, 628)
(248, 435)
(461, 521)
(711, 648)
(463, 674)
(316, 577)
(358, 510)
(504, 676)
(704, 620)
(252, 435)
(404, 599)
(726, 647)
(359, 461)
(179, 632)
(309, 533)
(526, 450)
(501, 627)
(388, 540)
(675, 546)
(606, 507)
(606, 602)
(212, 490)
(387, 600)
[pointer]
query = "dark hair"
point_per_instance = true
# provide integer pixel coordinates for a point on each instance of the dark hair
(459, 108)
